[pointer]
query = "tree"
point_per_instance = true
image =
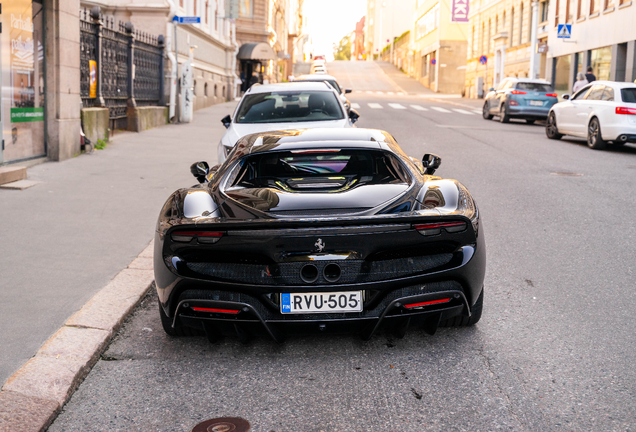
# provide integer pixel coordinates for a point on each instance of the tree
(342, 51)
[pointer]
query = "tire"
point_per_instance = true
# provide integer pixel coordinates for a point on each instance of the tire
(503, 116)
(464, 321)
(594, 138)
(485, 112)
(530, 121)
(176, 331)
(551, 129)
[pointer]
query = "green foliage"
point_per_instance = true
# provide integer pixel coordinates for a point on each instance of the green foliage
(342, 51)
(101, 145)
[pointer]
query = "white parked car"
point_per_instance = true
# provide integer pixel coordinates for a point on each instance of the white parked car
(602, 112)
(285, 106)
(332, 82)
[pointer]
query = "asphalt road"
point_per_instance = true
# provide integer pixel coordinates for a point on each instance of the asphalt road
(555, 349)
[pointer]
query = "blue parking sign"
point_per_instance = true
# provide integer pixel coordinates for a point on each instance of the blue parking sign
(564, 31)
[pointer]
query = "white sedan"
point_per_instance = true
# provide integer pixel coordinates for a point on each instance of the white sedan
(279, 106)
(602, 111)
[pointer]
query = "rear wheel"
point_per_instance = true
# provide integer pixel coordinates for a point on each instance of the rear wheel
(551, 129)
(530, 121)
(486, 112)
(503, 115)
(464, 321)
(594, 139)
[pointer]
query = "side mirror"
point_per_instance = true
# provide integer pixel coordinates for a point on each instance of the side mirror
(431, 162)
(491, 89)
(227, 120)
(200, 170)
(348, 91)
(566, 97)
(353, 115)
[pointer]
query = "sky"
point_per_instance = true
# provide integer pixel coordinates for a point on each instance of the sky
(328, 21)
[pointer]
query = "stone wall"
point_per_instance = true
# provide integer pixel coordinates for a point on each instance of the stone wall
(95, 124)
(144, 118)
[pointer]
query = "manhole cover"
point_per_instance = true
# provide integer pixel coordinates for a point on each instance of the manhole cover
(224, 424)
(567, 174)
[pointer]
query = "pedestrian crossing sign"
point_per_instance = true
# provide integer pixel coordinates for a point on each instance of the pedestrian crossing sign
(564, 31)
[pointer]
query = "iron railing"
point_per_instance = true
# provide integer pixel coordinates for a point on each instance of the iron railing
(128, 70)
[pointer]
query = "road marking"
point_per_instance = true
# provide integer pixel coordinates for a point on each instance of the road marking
(396, 106)
(419, 108)
(402, 93)
(369, 91)
(477, 111)
(355, 105)
(444, 110)
(379, 92)
(390, 93)
(375, 105)
(461, 111)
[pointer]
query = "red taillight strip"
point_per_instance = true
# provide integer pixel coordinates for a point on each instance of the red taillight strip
(202, 309)
(426, 303)
(199, 233)
(438, 225)
(518, 92)
(626, 110)
(551, 94)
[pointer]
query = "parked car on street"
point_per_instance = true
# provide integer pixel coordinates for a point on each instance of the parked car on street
(333, 82)
(524, 98)
(285, 106)
(319, 229)
(602, 112)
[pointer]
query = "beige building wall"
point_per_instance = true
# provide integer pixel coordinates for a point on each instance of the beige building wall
(504, 26)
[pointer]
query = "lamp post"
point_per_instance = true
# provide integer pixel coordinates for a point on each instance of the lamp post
(532, 73)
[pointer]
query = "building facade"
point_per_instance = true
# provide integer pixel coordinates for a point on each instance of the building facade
(603, 36)
(500, 32)
(358, 51)
(439, 45)
(385, 20)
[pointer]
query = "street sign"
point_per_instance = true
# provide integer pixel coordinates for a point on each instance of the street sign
(564, 31)
(483, 60)
(187, 20)
(433, 61)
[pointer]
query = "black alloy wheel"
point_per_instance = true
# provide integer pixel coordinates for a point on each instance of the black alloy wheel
(551, 129)
(486, 112)
(594, 138)
(503, 115)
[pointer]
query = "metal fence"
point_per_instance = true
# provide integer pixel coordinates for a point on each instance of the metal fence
(128, 68)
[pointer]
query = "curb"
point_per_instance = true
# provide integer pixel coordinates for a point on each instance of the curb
(33, 396)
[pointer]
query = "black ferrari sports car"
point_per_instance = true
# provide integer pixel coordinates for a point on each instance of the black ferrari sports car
(323, 229)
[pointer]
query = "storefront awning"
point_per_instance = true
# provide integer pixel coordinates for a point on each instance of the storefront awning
(256, 51)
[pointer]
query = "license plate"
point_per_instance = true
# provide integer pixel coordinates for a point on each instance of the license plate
(329, 302)
(536, 103)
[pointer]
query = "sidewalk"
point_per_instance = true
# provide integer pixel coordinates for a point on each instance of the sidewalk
(67, 237)
(408, 84)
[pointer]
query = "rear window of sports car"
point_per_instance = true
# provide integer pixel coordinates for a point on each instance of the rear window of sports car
(319, 169)
(279, 107)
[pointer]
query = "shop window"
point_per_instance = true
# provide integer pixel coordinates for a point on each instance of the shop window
(601, 60)
(562, 74)
(246, 8)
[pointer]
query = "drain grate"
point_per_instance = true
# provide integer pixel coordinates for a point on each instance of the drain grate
(566, 174)
(223, 424)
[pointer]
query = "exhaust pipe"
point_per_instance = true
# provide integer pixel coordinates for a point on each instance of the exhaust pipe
(623, 138)
(331, 272)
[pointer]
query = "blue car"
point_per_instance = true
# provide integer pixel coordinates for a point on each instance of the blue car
(528, 99)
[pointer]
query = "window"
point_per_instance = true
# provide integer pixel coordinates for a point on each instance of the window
(579, 10)
(214, 90)
(246, 8)
(562, 74)
(488, 42)
(545, 7)
(609, 4)
(533, 86)
(207, 8)
(595, 6)
(608, 94)
(581, 94)
(503, 22)
(472, 43)
(512, 27)
(570, 9)
(194, 7)
(194, 88)
(629, 95)
(497, 24)
(483, 38)
(595, 93)
(556, 13)
(289, 106)
(216, 19)
(521, 24)
(181, 3)
(205, 90)
(601, 62)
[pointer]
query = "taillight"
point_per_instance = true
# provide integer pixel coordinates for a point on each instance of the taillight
(518, 92)
(215, 310)
(436, 227)
(207, 237)
(551, 94)
(427, 303)
(514, 102)
(626, 110)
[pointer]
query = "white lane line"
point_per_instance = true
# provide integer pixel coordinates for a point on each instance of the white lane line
(369, 91)
(391, 93)
(461, 111)
(374, 105)
(397, 106)
(477, 111)
(419, 108)
(444, 110)
(379, 92)
(402, 93)
(355, 105)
